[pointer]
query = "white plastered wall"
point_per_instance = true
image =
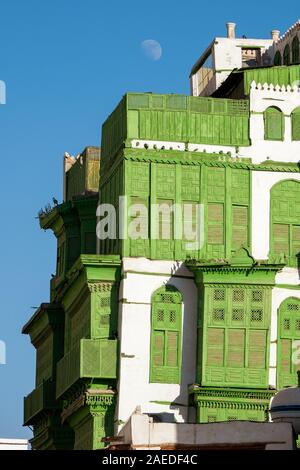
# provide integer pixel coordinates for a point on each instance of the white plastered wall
(142, 277)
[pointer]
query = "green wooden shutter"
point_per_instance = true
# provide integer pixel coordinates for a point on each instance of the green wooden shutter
(257, 349)
(215, 217)
(172, 348)
(165, 353)
(236, 348)
(281, 239)
(215, 347)
(296, 124)
(274, 124)
(159, 347)
(239, 226)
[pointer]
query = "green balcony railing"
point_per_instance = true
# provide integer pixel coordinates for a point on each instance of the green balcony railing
(175, 118)
(90, 358)
(42, 397)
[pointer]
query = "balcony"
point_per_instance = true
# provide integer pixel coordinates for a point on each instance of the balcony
(90, 358)
(42, 397)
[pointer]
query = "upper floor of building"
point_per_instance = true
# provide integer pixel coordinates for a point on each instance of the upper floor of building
(224, 55)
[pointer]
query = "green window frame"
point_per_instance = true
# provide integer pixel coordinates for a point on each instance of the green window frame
(288, 333)
(237, 336)
(285, 221)
(286, 55)
(296, 124)
(295, 51)
(274, 123)
(277, 58)
(166, 336)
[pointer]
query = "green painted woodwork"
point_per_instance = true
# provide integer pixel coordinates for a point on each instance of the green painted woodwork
(285, 226)
(295, 50)
(41, 398)
(215, 404)
(177, 118)
(83, 176)
(166, 332)
(46, 330)
(74, 225)
(280, 75)
(89, 358)
(224, 191)
(286, 55)
(277, 58)
(94, 420)
(274, 124)
(50, 434)
(296, 124)
(235, 322)
(288, 361)
(234, 309)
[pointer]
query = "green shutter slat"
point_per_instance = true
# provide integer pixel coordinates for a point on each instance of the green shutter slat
(215, 231)
(172, 348)
(236, 348)
(239, 226)
(215, 346)
(257, 349)
(159, 342)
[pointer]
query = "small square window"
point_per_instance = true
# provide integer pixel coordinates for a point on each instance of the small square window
(218, 314)
(256, 315)
(238, 295)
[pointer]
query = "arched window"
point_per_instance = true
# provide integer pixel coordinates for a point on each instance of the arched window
(285, 221)
(277, 58)
(286, 55)
(296, 124)
(166, 333)
(295, 51)
(288, 332)
(274, 123)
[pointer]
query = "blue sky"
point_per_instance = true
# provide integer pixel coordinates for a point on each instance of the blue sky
(66, 64)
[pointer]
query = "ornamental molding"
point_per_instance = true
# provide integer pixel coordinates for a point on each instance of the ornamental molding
(215, 161)
(98, 403)
(232, 405)
(231, 285)
(72, 408)
(100, 286)
(224, 393)
(290, 32)
(274, 88)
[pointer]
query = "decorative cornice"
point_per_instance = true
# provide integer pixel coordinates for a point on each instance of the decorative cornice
(215, 394)
(277, 88)
(100, 286)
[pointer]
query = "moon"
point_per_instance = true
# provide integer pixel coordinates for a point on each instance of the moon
(152, 49)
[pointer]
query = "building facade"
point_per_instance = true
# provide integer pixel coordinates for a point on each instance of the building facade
(188, 332)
